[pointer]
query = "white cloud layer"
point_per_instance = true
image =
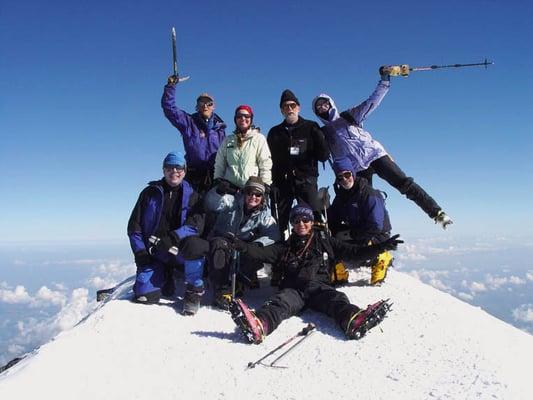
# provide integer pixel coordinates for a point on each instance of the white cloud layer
(524, 313)
(19, 295)
(73, 306)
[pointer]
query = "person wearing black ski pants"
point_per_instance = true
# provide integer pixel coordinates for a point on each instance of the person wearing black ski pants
(305, 278)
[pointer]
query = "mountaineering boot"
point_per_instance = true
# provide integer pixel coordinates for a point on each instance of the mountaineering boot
(191, 299)
(364, 320)
(443, 219)
(245, 319)
(380, 267)
(339, 274)
(222, 298)
(148, 298)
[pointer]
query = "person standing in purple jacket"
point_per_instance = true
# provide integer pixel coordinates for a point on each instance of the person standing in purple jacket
(202, 133)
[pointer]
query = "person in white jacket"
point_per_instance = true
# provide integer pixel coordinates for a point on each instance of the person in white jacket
(243, 154)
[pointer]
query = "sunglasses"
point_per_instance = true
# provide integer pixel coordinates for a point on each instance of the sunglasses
(297, 220)
(170, 168)
(201, 104)
(245, 116)
(344, 175)
(254, 194)
(289, 106)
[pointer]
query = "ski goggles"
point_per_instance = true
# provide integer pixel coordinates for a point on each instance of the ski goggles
(202, 104)
(245, 116)
(344, 175)
(297, 220)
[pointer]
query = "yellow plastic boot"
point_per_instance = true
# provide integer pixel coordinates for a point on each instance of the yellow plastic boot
(339, 275)
(379, 269)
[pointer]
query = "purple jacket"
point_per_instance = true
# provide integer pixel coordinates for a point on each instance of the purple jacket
(201, 138)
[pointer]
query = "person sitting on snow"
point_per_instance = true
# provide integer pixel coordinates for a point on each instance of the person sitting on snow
(247, 217)
(346, 138)
(358, 215)
(305, 259)
(167, 213)
(202, 134)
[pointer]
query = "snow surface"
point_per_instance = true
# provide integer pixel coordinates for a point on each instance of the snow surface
(431, 346)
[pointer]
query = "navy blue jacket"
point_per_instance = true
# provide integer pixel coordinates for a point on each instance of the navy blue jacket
(146, 216)
(360, 211)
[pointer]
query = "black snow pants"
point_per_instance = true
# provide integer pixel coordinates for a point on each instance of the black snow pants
(316, 295)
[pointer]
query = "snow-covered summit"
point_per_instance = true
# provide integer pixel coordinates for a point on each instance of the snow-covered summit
(432, 345)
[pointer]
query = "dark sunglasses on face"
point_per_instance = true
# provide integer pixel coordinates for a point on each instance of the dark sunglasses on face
(245, 116)
(178, 168)
(289, 106)
(202, 104)
(254, 194)
(297, 220)
(344, 175)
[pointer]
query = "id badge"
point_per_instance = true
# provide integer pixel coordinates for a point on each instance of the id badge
(294, 150)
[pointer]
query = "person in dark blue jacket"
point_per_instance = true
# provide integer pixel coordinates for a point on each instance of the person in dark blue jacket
(202, 134)
(358, 215)
(169, 211)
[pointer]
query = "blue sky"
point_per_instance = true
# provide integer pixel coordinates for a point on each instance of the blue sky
(82, 128)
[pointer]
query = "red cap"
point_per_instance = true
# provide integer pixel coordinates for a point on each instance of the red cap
(244, 107)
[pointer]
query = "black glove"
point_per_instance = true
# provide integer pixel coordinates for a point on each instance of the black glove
(164, 244)
(173, 79)
(389, 244)
(142, 259)
(374, 250)
(384, 72)
(222, 187)
(235, 242)
(225, 187)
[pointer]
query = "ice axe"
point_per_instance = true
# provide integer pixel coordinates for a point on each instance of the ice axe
(405, 69)
(175, 58)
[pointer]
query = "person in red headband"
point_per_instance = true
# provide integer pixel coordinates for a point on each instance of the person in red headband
(243, 154)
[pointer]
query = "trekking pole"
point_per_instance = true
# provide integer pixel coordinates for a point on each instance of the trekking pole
(306, 335)
(175, 58)
(275, 200)
(405, 69)
(233, 270)
(303, 332)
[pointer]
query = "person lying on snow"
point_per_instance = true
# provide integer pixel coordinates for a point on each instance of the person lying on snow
(306, 258)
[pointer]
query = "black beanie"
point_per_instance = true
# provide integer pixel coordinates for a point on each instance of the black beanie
(287, 95)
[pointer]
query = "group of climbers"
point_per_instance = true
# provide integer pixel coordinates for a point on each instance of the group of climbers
(229, 200)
